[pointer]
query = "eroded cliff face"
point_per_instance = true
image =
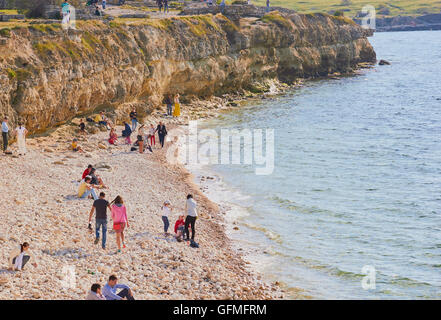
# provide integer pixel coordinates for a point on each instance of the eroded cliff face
(47, 76)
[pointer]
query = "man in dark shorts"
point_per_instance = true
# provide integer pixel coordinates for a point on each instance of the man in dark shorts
(100, 205)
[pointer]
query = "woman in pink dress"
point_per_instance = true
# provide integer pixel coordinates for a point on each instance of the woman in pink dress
(120, 221)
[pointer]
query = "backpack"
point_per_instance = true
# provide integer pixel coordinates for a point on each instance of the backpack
(193, 244)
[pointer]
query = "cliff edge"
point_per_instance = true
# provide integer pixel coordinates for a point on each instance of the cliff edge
(49, 75)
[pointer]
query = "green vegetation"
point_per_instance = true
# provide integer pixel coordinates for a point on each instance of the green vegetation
(11, 74)
(275, 17)
(5, 32)
(351, 7)
(46, 28)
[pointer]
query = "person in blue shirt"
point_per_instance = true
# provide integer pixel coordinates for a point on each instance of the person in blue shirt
(109, 290)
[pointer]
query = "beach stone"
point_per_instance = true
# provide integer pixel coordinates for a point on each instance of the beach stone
(102, 146)
(47, 149)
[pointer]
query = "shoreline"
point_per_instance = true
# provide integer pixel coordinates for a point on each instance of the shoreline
(46, 152)
(55, 225)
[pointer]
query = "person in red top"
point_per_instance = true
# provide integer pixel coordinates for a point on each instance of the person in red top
(179, 228)
(87, 171)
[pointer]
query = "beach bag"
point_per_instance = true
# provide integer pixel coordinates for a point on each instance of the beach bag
(193, 244)
(133, 149)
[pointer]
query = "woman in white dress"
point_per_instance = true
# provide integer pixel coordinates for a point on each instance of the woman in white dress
(21, 133)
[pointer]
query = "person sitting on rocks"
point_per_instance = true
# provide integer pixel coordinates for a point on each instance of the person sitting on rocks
(19, 257)
(179, 228)
(75, 146)
(101, 119)
(86, 189)
(96, 180)
(127, 132)
(109, 290)
(82, 127)
(95, 293)
(113, 137)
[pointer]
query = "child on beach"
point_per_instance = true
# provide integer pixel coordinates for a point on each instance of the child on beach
(113, 137)
(75, 146)
(120, 221)
(166, 209)
(179, 228)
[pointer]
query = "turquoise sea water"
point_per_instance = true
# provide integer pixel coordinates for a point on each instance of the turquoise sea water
(357, 178)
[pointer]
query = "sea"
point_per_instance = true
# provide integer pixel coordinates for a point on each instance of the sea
(352, 209)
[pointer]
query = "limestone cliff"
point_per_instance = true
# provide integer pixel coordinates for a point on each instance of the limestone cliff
(47, 76)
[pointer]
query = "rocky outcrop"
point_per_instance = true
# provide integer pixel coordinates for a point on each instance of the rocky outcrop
(48, 75)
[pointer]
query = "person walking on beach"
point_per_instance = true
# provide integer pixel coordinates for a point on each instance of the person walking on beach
(109, 290)
(100, 206)
(127, 132)
(177, 109)
(152, 132)
(169, 103)
(104, 4)
(5, 133)
(133, 116)
(166, 209)
(20, 133)
(86, 189)
(162, 132)
(120, 221)
(267, 5)
(19, 257)
(190, 220)
(95, 293)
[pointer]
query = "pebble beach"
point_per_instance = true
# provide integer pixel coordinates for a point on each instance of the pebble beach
(40, 205)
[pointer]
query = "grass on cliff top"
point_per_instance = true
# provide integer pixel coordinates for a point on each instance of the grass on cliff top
(199, 25)
(351, 7)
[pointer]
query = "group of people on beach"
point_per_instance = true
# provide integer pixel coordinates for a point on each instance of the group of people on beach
(90, 181)
(20, 133)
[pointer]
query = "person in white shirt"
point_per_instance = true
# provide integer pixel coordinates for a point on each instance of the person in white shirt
(21, 133)
(190, 220)
(95, 293)
(166, 209)
(19, 257)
